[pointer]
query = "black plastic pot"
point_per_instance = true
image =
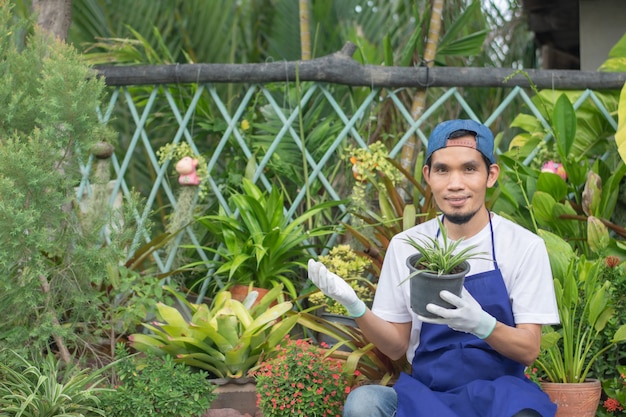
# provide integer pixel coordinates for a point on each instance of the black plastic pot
(341, 320)
(426, 286)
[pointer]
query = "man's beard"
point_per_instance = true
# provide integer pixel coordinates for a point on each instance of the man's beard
(460, 218)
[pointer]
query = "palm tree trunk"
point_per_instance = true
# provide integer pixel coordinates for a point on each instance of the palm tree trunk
(305, 30)
(418, 103)
(54, 16)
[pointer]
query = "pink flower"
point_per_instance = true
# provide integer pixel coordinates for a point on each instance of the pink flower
(555, 168)
(611, 261)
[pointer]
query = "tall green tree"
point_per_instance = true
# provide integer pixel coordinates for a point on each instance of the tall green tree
(53, 262)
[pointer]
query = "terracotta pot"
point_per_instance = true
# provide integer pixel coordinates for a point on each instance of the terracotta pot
(240, 292)
(574, 400)
(426, 286)
(238, 394)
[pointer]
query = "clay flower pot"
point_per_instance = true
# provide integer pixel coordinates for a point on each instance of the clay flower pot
(426, 285)
(574, 399)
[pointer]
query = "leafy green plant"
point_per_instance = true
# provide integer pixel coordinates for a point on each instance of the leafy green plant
(379, 204)
(259, 243)
(128, 295)
(226, 339)
(564, 205)
(48, 388)
(569, 350)
(150, 385)
(574, 132)
(440, 257)
(615, 391)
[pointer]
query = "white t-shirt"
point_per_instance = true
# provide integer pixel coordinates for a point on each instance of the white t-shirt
(521, 257)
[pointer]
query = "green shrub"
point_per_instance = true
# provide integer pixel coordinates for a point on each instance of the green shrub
(153, 386)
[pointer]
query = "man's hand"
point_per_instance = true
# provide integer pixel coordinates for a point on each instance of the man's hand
(336, 288)
(468, 316)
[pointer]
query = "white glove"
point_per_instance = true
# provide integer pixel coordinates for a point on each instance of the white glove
(468, 316)
(336, 288)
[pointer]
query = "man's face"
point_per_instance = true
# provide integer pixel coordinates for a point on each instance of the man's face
(459, 180)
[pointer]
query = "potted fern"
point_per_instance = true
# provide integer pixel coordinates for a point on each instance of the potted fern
(438, 266)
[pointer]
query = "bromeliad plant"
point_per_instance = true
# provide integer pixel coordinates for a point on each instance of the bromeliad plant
(569, 351)
(226, 339)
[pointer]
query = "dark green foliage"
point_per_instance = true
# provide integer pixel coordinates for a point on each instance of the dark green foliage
(610, 368)
(157, 386)
(261, 245)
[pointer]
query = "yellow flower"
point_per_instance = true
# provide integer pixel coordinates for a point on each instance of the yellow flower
(245, 125)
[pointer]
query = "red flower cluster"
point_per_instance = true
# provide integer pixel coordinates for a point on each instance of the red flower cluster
(301, 381)
(532, 374)
(612, 405)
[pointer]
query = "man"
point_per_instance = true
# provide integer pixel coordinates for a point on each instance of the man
(470, 361)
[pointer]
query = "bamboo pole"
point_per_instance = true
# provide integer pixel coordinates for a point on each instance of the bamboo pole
(305, 30)
(418, 104)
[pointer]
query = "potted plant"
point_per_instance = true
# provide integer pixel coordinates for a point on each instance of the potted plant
(569, 351)
(436, 267)
(301, 380)
(258, 243)
(226, 339)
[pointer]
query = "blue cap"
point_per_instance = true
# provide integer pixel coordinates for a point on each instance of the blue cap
(484, 138)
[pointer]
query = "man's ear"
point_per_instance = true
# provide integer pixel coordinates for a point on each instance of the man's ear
(494, 173)
(426, 173)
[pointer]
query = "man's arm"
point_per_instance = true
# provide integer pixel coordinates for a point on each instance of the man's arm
(391, 338)
(521, 343)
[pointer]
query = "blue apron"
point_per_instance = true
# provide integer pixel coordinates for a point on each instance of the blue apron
(456, 374)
